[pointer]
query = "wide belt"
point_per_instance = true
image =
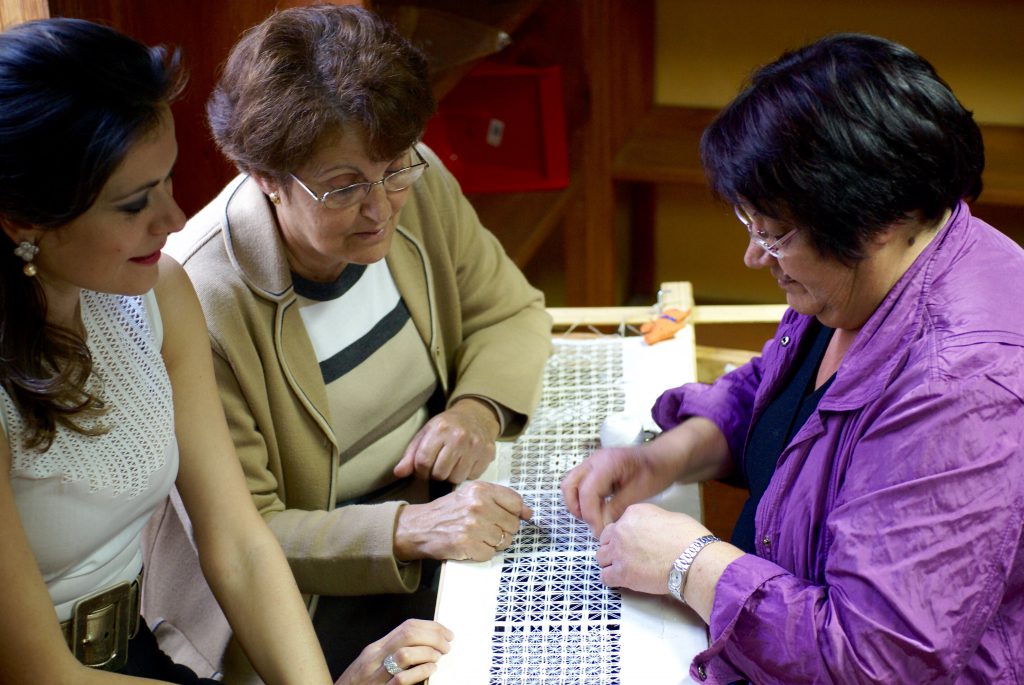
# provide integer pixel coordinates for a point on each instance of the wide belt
(102, 624)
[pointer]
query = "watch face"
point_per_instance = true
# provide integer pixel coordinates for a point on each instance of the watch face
(674, 579)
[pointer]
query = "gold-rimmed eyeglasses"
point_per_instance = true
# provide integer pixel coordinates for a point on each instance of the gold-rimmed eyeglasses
(393, 182)
(760, 237)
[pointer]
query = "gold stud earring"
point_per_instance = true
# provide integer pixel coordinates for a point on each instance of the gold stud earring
(27, 251)
(275, 198)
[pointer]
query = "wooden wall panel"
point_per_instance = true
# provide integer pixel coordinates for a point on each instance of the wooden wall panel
(205, 32)
(16, 11)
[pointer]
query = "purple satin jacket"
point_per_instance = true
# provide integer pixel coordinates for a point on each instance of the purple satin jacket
(889, 542)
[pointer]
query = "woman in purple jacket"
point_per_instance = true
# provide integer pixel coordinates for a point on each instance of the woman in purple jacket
(880, 431)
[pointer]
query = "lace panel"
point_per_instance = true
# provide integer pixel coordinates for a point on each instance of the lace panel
(130, 377)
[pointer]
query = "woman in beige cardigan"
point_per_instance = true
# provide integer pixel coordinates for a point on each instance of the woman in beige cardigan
(371, 339)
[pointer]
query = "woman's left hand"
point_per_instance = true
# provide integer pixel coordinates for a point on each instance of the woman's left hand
(637, 551)
(455, 445)
(414, 648)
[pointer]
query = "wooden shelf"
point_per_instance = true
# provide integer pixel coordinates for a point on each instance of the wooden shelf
(665, 148)
(504, 16)
(605, 49)
(523, 221)
(456, 35)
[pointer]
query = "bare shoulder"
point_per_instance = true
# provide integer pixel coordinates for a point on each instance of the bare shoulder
(179, 307)
(173, 283)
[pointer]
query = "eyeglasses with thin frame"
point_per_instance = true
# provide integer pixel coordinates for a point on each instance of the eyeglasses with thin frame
(394, 182)
(759, 237)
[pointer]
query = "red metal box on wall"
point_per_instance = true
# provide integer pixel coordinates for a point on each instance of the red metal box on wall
(502, 129)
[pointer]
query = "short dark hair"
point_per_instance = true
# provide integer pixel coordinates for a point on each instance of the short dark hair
(74, 97)
(844, 137)
(308, 73)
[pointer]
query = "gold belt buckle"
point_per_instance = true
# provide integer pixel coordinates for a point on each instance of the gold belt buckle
(102, 624)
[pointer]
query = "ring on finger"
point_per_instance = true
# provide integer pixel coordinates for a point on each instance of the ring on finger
(391, 666)
(501, 542)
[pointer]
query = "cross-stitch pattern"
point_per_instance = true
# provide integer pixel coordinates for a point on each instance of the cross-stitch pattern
(555, 622)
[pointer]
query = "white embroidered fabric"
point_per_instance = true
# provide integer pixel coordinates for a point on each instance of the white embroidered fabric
(539, 613)
(84, 501)
(550, 582)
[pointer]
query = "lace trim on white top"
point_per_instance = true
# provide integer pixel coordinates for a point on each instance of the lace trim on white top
(130, 377)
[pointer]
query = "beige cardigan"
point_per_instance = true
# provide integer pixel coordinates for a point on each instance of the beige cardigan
(485, 327)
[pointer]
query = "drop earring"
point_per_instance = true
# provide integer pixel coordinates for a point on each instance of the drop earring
(27, 251)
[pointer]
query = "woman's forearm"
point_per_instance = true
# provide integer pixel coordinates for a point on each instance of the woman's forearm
(256, 589)
(694, 451)
(704, 574)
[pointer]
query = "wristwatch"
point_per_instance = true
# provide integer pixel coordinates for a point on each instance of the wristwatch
(680, 567)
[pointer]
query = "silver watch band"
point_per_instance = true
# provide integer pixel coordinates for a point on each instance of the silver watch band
(681, 566)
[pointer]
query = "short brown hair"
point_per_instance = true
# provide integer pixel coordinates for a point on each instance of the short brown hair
(309, 73)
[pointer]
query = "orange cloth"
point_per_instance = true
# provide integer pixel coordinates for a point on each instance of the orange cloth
(665, 326)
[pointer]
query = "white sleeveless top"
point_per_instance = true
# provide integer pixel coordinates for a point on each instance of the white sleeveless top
(83, 502)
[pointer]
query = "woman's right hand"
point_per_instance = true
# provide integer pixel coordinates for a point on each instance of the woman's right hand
(600, 488)
(474, 522)
(415, 646)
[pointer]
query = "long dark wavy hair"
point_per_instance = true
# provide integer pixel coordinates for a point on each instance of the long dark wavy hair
(74, 97)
